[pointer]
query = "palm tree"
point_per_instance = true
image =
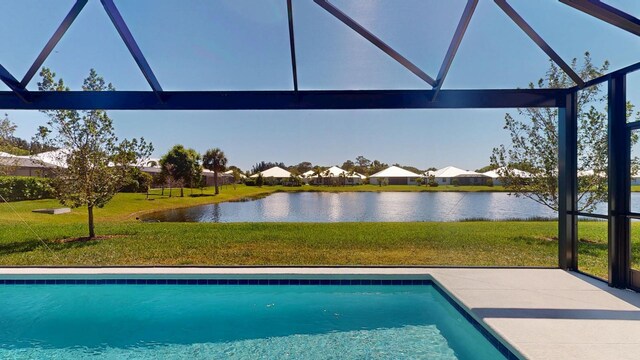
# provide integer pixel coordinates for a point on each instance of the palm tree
(318, 171)
(216, 161)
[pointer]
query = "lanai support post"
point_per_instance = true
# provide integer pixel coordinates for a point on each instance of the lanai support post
(568, 183)
(619, 185)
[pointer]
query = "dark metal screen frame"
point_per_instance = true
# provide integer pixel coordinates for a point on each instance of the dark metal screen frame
(620, 273)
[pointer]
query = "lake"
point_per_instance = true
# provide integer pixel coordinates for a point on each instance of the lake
(366, 207)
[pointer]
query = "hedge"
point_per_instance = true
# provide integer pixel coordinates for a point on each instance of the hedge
(17, 188)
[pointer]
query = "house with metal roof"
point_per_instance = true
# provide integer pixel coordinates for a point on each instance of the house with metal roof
(395, 175)
(447, 175)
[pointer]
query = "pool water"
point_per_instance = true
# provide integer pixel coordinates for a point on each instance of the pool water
(235, 322)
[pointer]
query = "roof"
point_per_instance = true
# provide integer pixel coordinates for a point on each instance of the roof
(394, 171)
(500, 172)
(230, 172)
(334, 171)
(451, 172)
(54, 158)
(446, 172)
(275, 172)
(308, 173)
(23, 161)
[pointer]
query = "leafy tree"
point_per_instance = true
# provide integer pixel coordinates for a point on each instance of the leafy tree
(97, 165)
(216, 161)
(14, 145)
(484, 169)
(409, 168)
(363, 161)
(376, 166)
(348, 165)
(301, 168)
(318, 172)
(236, 173)
(181, 166)
(262, 166)
(260, 180)
(534, 143)
(7, 128)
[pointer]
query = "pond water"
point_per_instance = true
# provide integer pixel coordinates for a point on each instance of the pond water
(365, 207)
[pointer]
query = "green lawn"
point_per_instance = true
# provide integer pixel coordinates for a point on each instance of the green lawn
(27, 238)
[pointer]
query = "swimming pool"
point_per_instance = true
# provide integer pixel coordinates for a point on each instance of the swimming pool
(237, 319)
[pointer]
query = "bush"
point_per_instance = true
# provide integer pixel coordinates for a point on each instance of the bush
(433, 184)
(138, 182)
(18, 188)
(489, 182)
(250, 182)
(455, 182)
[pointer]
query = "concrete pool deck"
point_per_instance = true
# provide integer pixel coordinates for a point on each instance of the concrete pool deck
(542, 313)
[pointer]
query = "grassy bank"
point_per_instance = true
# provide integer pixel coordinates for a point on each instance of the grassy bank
(34, 239)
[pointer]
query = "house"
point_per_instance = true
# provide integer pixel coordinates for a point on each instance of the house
(395, 176)
(333, 176)
(274, 175)
(24, 166)
(447, 175)
(498, 174)
(230, 173)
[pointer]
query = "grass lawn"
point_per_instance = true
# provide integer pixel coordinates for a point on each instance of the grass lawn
(27, 238)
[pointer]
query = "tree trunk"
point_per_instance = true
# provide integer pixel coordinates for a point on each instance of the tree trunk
(92, 231)
(181, 191)
(162, 191)
(215, 181)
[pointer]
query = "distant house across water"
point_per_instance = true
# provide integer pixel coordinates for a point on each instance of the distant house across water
(395, 176)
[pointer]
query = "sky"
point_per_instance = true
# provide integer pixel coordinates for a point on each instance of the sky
(244, 45)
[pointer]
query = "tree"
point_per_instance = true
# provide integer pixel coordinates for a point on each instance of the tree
(363, 161)
(262, 166)
(484, 169)
(7, 128)
(181, 166)
(348, 165)
(215, 160)
(301, 168)
(534, 143)
(237, 176)
(97, 165)
(318, 172)
(376, 166)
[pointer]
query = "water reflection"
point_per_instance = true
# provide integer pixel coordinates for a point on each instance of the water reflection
(367, 207)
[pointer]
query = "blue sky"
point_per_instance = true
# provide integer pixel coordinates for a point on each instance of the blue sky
(243, 44)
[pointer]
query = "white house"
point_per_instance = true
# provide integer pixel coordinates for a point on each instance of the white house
(230, 173)
(446, 176)
(498, 174)
(334, 175)
(395, 176)
(274, 175)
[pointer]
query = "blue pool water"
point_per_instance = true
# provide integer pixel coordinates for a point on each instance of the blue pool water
(235, 322)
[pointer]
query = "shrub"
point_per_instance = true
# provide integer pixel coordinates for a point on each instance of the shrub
(489, 182)
(250, 182)
(455, 182)
(138, 182)
(18, 188)
(260, 180)
(433, 184)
